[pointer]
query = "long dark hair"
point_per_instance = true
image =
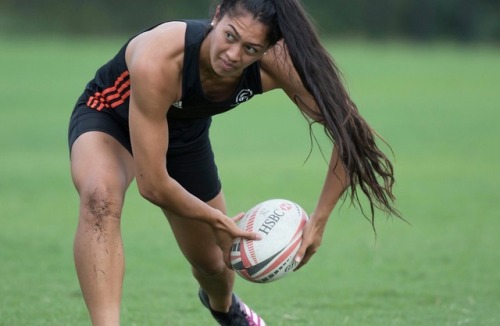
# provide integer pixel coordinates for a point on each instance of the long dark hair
(367, 166)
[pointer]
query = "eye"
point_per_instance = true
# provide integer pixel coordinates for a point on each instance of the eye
(229, 37)
(251, 49)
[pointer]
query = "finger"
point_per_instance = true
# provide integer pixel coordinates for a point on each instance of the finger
(227, 259)
(238, 217)
(300, 253)
(250, 235)
(302, 257)
(226, 253)
(304, 261)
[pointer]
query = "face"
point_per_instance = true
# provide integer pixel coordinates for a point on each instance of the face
(236, 43)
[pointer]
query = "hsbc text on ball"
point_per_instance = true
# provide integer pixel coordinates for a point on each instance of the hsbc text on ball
(271, 221)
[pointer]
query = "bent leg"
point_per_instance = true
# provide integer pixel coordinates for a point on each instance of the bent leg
(197, 242)
(102, 170)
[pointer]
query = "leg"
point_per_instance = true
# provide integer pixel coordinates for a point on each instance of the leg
(102, 170)
(205, 256)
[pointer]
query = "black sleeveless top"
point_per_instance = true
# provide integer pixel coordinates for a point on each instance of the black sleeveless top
(110, 88)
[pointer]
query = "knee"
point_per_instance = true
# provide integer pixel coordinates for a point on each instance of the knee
(100, 205)
(209, 267)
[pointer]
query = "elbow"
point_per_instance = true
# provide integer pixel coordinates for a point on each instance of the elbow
(150, 193)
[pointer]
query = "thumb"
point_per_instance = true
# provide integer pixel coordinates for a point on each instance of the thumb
(299, 257)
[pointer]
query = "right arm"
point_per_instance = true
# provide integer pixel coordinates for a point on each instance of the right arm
(155, 76)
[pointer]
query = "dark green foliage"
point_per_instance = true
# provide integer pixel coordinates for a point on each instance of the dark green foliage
(465, 20)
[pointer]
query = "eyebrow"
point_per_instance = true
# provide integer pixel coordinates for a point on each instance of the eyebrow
(239, 36)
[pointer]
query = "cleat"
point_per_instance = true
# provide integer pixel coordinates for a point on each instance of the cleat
(239, 313)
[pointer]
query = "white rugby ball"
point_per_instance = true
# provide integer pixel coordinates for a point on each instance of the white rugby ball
(280, 222)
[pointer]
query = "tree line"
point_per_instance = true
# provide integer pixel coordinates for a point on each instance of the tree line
(465, 20)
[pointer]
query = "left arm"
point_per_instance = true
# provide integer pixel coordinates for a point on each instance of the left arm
(278, 72)
(336, 182)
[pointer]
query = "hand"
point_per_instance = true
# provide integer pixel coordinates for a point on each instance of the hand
(311, 241)
(226, 230)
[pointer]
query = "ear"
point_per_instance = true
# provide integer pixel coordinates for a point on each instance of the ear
(217, 15)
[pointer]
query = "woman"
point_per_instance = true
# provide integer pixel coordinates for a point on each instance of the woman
(150, 107)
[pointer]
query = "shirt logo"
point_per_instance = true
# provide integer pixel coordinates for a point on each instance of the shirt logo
(244, 95)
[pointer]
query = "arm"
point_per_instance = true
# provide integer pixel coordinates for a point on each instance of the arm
(155, 81)
(336, 182)
(155, 77)
(278, 72)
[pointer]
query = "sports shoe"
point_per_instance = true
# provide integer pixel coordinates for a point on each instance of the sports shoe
(239, 313)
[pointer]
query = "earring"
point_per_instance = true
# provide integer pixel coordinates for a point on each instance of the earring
(212, 24)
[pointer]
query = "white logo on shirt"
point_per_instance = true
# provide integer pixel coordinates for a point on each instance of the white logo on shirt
(244, 95)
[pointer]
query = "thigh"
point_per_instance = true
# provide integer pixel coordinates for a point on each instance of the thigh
(196, 239)
(100, 164)
(84, 119)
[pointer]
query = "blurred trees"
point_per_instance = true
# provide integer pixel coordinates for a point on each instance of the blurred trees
(467, 20)
(416, 19)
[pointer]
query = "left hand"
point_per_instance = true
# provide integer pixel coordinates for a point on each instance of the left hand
(311, 241)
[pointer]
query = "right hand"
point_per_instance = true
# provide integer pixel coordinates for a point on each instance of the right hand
(226, 231)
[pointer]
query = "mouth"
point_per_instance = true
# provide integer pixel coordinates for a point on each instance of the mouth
(226, 65)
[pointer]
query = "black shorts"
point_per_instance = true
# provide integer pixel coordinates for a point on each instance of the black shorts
(190, 159)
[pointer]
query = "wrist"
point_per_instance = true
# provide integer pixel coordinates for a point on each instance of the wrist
(320, 214)
(214, 217)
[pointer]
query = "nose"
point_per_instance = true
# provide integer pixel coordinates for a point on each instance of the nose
(234, 52)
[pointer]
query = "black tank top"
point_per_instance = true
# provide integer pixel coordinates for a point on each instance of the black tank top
(110, 88)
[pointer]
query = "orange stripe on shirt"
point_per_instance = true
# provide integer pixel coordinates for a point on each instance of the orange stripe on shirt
(124, 96)
(113, 96)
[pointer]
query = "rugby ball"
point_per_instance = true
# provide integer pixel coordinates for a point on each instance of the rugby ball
(280, 222)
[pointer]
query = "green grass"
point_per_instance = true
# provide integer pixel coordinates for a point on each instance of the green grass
(437, 105)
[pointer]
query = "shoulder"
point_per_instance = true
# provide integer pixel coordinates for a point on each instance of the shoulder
(277, 69)
(162, 42)
(164, 37)
(155, 57)
(279, 72)
(160, 49)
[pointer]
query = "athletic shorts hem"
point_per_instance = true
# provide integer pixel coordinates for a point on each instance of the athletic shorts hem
(190, 159)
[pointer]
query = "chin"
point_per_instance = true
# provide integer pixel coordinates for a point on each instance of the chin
(232, 73)
(227, 73)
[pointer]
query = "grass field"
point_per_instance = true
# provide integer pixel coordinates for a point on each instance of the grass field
(437, 105)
